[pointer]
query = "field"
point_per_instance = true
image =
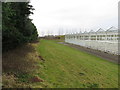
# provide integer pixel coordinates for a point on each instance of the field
(67, 67)
(60, 66)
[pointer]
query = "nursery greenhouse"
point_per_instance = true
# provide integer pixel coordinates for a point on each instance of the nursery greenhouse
(103, 40)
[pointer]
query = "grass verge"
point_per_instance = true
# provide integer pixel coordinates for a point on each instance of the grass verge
(68, 67)
(20, 67)
(48, 64)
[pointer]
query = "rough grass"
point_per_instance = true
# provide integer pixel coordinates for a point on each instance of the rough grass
(19, 66)
(67, 67)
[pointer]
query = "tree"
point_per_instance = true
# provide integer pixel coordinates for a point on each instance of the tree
(17, 28)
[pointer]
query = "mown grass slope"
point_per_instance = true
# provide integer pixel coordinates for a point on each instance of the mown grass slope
(67, 67)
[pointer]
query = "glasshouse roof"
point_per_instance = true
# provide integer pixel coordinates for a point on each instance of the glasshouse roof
(92, 31)
(100, 30)
(112, 29)
(85, 32)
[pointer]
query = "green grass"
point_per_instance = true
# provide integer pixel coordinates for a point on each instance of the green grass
(64, 67)
(67, 67)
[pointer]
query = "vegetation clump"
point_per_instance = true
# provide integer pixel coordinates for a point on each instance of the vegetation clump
(17, 27)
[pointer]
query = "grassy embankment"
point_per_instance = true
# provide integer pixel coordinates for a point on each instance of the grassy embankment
(57, 66)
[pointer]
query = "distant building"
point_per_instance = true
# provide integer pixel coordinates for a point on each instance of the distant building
(106, 41)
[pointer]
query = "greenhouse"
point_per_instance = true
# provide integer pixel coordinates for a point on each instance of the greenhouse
(103, 40)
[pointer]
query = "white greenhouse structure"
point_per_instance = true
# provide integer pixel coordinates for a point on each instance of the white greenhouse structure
(106, 41)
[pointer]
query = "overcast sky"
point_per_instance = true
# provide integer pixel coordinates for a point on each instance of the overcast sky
(51, 16)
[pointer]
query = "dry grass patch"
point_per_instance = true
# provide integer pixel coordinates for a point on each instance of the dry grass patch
(19, 65)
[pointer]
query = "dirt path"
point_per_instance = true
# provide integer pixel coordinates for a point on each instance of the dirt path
(106, 56)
